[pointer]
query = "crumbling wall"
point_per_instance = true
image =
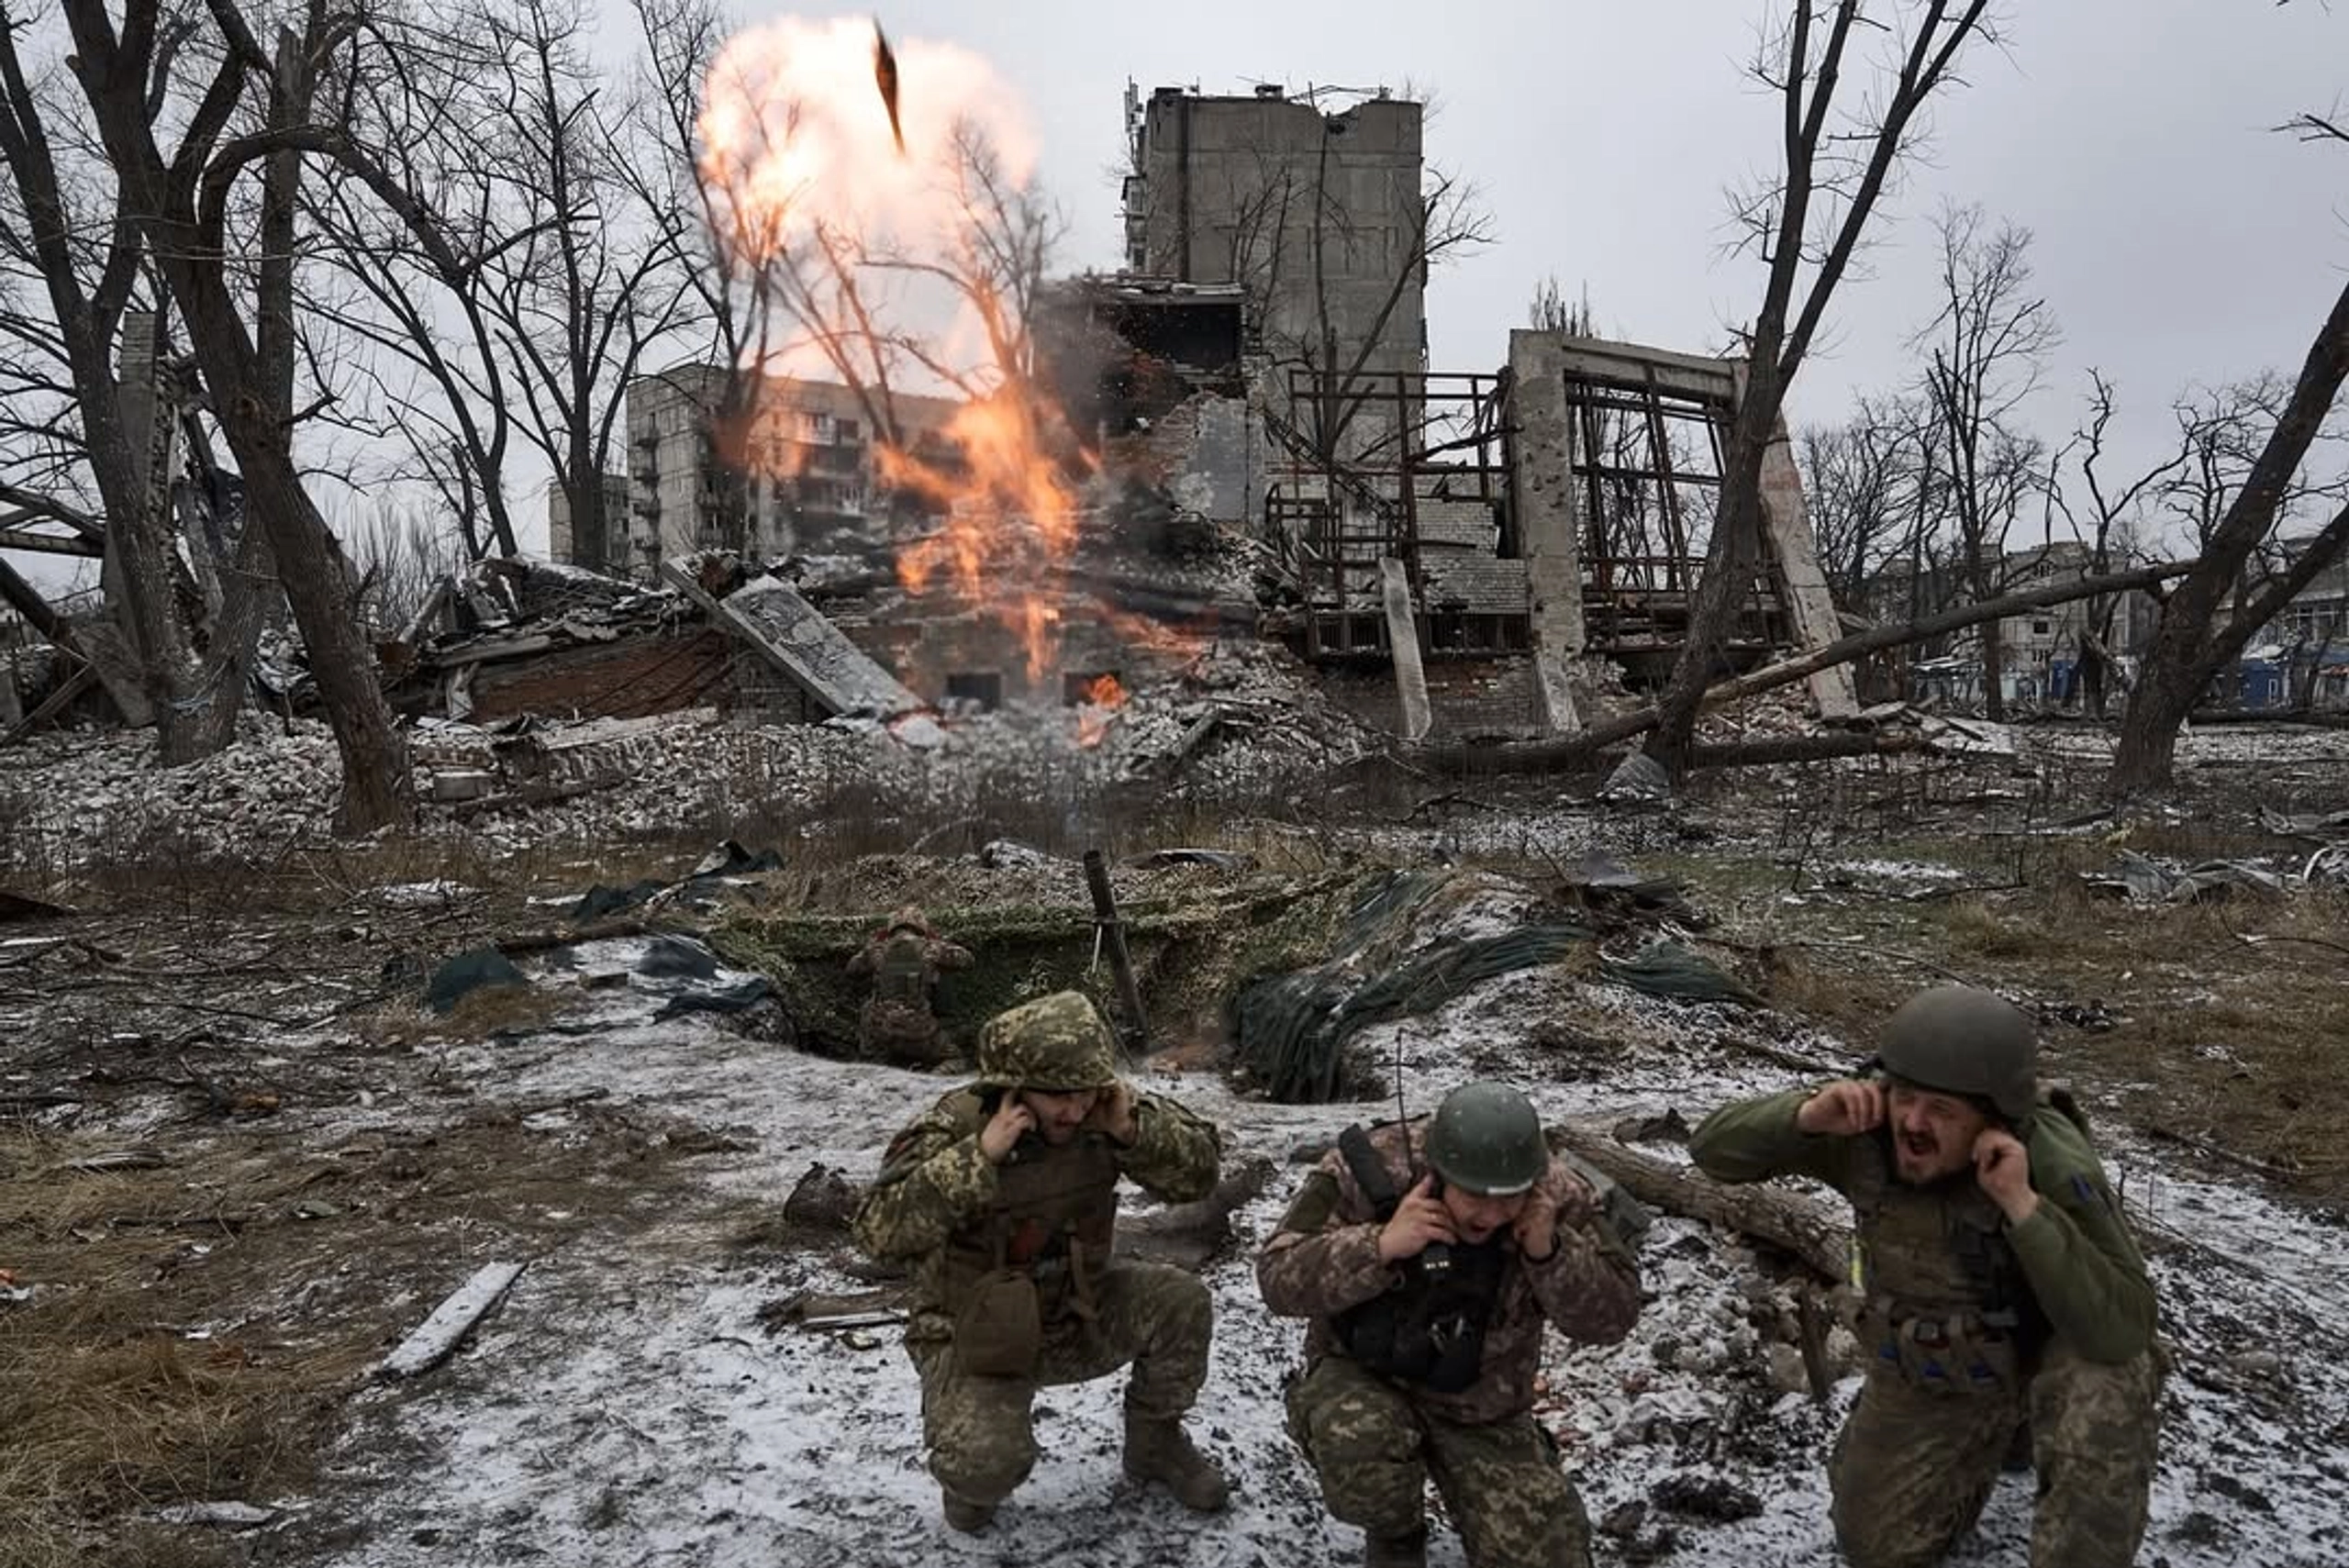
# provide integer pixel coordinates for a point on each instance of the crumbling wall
(1470, 698)
(927, 650)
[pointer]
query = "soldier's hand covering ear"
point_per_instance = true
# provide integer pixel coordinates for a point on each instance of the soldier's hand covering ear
(1420, 1218)
(1843, 1109)
(1536, 1228)
(2002, 1166)
(1011, 1122)
(1113, 1111)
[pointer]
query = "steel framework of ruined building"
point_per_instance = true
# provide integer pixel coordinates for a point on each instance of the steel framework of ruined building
(1563, 504)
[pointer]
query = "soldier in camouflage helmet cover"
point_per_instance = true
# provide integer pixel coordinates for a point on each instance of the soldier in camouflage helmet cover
(903, 959)
(1003, 1199)
(1429, 1288)
(2002, 1295)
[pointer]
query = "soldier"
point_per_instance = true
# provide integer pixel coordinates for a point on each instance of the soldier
(2002, 1295)
(1428, 1293)
(1004, 1198)
(903, 957)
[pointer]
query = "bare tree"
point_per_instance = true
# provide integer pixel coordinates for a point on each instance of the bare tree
(1857, 482)
(181, 202)
(1838, 157)
(2110, 532)
(2198, 636)
(82, 443)
(1987, 344)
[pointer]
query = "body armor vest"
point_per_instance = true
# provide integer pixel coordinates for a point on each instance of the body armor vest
(1944, 1298)
(903, 973)
(1430, 1329)
(1055, 1219)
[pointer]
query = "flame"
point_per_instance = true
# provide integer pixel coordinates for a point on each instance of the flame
(1011, 519)
(882, 212)
(1098, 702)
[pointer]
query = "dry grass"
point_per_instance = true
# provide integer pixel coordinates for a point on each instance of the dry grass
(195, 1329)
(114, 1407)
(2239, 1044)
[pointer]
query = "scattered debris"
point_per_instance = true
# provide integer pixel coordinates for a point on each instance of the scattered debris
(1638, 780)
(2144, 880)
(440, 1334)
(220, 1515)
(477, 970)
(822, 1199)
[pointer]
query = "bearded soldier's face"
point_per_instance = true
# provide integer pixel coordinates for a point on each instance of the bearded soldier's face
(1932, 1135)
(1058, 1116)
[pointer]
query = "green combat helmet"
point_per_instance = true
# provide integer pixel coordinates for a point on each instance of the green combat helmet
(1962, 1040)
(1486, 1138)
(1055, 1044)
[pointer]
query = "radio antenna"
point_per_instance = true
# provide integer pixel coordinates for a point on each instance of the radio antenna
(1402, 1114)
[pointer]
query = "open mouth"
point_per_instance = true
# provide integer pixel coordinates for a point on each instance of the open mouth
(1919, 1146)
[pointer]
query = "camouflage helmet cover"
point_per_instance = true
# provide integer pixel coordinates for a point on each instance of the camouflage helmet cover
(908, 918)
(1960, 1040)
(1055, 1044)
(1486, 1138)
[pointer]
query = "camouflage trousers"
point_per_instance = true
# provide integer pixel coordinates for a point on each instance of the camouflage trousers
(981, 1430)
(898, 1032)
(1913, 1466)
(1375, 1450)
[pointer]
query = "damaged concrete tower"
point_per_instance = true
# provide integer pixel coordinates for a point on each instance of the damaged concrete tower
(1314, 214)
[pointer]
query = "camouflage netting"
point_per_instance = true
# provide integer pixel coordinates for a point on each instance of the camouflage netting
(1287, 969)
(1191, 952)
(1290, 1031)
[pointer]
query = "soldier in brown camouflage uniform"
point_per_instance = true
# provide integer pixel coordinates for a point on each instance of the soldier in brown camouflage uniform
(1430, 1293)
(903, 959)
(1004, 1198)
(2002, 1293)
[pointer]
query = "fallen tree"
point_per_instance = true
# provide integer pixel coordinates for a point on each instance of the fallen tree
(1550, 756)
(1799, 1226)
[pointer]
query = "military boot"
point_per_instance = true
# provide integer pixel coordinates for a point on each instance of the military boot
(1397, 1551)
(967, 1516)
(1163, 1451)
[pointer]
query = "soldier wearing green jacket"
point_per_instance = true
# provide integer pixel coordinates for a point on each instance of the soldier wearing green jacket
(1003, 1197)
(2001, 1290)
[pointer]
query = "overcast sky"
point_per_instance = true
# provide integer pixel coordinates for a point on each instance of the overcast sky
(2177, 239)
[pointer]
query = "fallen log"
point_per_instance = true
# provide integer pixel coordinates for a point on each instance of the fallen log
(1790, 1221)
(1574, 751)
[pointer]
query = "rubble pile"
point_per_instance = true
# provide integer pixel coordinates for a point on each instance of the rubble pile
(71, 798)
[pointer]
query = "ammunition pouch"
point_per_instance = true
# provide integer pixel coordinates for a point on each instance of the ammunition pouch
(999, 1332)
(1955, 1352)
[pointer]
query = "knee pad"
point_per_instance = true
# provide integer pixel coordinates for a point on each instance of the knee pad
(983, 1470)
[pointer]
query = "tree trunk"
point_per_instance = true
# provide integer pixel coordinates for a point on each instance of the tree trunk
(1728, 568)
(377, 790)
(1994, 671)
(2166, 694)
(2190, 645)
(376, 787)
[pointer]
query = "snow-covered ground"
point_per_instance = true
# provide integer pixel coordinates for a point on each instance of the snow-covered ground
(624, 1407)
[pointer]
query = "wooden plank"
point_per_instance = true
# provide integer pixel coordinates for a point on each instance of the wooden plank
(440, 1334)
